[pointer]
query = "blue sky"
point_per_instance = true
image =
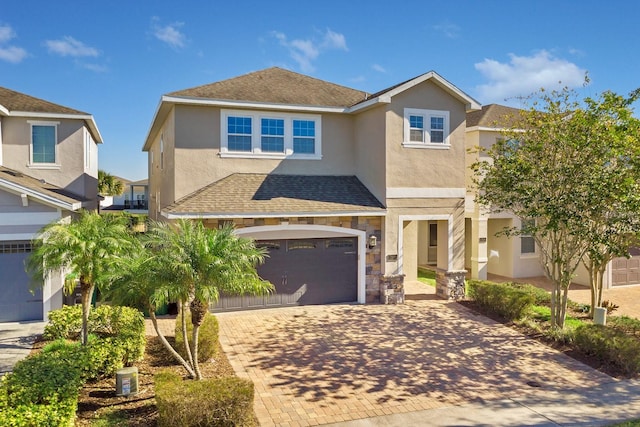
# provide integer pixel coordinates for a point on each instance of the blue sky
(114, 59)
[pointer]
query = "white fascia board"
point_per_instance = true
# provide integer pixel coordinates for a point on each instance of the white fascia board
(384, 99)
(213, 215)
(161, 110)
(88, 118)
(44, 198)
(471, 104)
(3, 110)
(253, 105)
(425, 193)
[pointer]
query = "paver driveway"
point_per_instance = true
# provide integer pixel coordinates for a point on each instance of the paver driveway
(320, 364)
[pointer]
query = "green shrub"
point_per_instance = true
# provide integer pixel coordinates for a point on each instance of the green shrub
(64, 323)
(211, 402)
(59, 414)
(46, 377)
(207, 336)
(120, 328)
(628, 325)
(540, 296)
(499, 298)
(610, 346)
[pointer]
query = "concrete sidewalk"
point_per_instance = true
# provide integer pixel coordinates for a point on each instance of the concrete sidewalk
(600, 406)
(16, 339)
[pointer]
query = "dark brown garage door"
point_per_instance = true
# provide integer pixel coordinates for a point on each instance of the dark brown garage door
(304, 271)
(626, 271)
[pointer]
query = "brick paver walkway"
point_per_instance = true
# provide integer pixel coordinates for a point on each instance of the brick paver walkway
(324, 364)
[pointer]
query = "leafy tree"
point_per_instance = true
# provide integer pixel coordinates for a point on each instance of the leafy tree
(109, 185)
(191, 264)
(84, 249)
(565, 164)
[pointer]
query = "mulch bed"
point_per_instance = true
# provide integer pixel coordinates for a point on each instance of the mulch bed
(98, 399)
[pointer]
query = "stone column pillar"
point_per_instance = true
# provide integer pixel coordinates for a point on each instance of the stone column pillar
(450, 284)
(392, 289)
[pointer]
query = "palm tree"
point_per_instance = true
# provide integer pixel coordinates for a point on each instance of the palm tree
(84, 249)
(109, 185)
(195, 264)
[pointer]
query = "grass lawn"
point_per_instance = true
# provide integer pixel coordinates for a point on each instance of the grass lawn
(427, 277)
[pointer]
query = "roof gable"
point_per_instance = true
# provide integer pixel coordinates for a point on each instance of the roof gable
(277, 86)
(16, 101)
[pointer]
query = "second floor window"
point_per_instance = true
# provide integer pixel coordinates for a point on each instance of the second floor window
(43, 143)
(426, 128)
(256, 134)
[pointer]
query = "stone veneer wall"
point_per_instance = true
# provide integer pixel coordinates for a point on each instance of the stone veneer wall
(370, 225)
(450, 284)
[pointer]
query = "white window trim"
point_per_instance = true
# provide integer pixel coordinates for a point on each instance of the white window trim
(31, 164)
(88, 144)
(162, 151)
(524, 255)
(427, 114)
(256, 151)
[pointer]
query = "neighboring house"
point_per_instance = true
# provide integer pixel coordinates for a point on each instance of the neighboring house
(48, 170)
(133, 199)
(341, 186)
(516, 257)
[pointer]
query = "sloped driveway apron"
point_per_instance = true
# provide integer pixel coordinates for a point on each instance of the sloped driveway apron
(314, 365)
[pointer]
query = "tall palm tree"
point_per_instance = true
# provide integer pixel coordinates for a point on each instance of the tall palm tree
(84, 249)
(195, 264)
(109, 185)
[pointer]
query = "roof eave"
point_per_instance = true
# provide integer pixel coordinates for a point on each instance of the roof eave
(44, 198)
(219, 215)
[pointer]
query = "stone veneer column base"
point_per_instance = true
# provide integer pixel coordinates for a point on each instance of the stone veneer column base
(450, 284)
(392, 289)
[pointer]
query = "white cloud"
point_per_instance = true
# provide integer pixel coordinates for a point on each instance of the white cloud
(97, 68)
(169, 34)
(378, 68)
(523, 75)
(10, 53)
(304, 52)
(68, 46)
(450, 30)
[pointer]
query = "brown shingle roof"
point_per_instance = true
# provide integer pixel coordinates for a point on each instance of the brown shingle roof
(40, 186)
(262, 194)
(278, 86)
(16, 101)
(493, 115)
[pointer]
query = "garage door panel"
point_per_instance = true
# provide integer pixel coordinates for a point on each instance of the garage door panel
(304, 271)
(17, 302)
(626, 271)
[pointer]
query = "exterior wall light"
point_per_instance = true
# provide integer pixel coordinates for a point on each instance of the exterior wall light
(373, 241)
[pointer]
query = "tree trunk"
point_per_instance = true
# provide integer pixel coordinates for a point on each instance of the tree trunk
(199, 310)
(168, 346)
(86, 292)
(185, 336)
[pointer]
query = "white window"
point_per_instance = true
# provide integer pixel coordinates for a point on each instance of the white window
(527, 243)
(162, 151)
(44, 144)
(270, 135)
(426, 128)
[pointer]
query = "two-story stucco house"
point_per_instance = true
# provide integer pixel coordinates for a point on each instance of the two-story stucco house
(48, 170)
(488, 254)
(348, 191)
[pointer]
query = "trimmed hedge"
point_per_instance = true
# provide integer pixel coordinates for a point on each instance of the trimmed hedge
(540, 296)
(207, 336)
(42, 390)
(118, 329)
(610, 346)
(626, 324)
(507, 301)
(210, 402)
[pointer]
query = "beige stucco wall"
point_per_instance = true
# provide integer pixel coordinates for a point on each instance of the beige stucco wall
(71, 175)
(197, 147)
(424, 167)
(162, 168)
(370, 152)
